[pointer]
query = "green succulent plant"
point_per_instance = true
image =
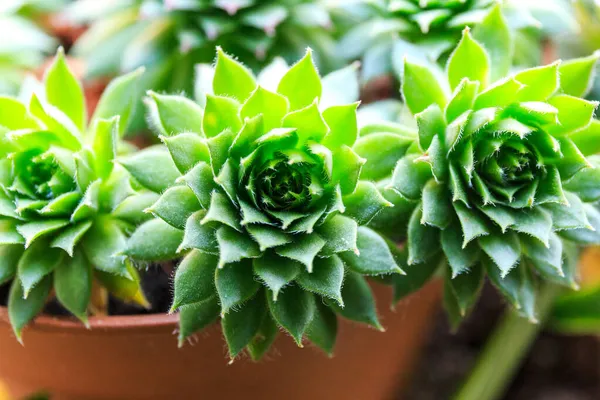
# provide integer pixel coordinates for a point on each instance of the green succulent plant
(429, 30)
(170, 37)
(261, 197)
(28, 46)
(65, 208)
(497, 175)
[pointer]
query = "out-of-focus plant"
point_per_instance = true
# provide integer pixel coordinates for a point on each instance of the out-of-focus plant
(261, 196)
(498, 178)
(169, 37)
(429, 29)
(25, 43)
(65, 208)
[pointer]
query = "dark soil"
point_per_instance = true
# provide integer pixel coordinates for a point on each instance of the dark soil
(557, 368)
(156, 283)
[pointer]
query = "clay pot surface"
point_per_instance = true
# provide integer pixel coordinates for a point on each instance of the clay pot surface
(136, 357)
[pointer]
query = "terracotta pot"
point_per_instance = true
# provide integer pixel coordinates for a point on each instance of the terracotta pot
(136, 357)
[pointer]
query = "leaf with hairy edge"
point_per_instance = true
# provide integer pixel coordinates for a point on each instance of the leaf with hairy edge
(153, 168)
(241, 325)
(9, 259)
(235, 284)
(421, 88)
(416, 275)
(175, 206)
(201, 180)
(326, 279)
(197, 316)
(535, 222)
(36, 263)
(343, 126)
(132, 208)
(423, 240)
(154, 240)
(222, 210)
(504, 250)
(105, 145)
(34, 230)
(460, 259)
(461, 293)
(187, 150)
(431, 123)
(263, 339)
(22, 310)
(473, 226)
(339, 233)
(410, 177)
(262, 99)
(293, 311)
(199, 236)
(70, 237)
(543, 257)
(301, 83)
(194, 279)
(73, 285)
(232, 78)
(322, 330)
(359, 303)
(235, 246)
(303, 250)
(64, 91)
(577, 75)
(469, 60)
(517, 287)
(365, 203)
(220, 114)
(171, 115)
(373, 256)
(276, 271)
(119, 98)
(495, 36)
(437, 208)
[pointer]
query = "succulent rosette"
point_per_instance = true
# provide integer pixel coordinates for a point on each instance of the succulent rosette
(169, 37)
(429, 30)
(261, 196)
(498, 176)
(64, 207)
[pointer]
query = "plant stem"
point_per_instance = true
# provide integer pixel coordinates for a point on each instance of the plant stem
(505, 350)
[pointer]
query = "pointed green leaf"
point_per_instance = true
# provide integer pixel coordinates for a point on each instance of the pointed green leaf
(431, 123)
(303, 250)
(36, 263)
(175, 206)
(373, 256)
(154, 240)
(272, 106)
(194, 279)
(197, 316)
(22, 310)
(343, 125)
(199, 236)
(461, 293)
(132, 208)
(322, 330)
(495, 36)
(301, 84)
(539, 83)
(70, 237)
(423, 240)
(365, 203)
(220, 114)
(231, 78)
(339, 233)
(359, 303)
(263, 339)
(462, 99)
(437, 208)
(421, 88)
(268, 237)
(577, 75)
(34, 230)
(170, 115)
(64, 91)
(469, 60)
(242, 324)
(504, 250)
(235, 284)
(326, 279)
(275, 271)
(410, 177)
(153, 168)
(235, 246)
(293, 311)
(535, 222)
(460, 259)
(105, 137)
(73, 285)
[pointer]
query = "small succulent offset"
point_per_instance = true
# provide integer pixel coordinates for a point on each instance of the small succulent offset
(428, 29)
(65, 208)
(500, 179)
(261, 196)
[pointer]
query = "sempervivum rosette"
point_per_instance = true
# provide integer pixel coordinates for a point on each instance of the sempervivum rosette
(266, 206)
(64, 207)
(429, 29)
(500, 177)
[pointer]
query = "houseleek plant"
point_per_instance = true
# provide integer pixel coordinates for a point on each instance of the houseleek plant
(262, 198)
(169, 37)
(65, 208)
(429, 30)
(497, 175)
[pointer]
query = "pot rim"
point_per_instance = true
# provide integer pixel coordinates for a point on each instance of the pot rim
(104, 323)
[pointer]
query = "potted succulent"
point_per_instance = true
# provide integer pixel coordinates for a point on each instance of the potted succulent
(291, 254)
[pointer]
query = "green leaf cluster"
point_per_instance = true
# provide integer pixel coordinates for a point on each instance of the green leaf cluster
(65, 208)
(260, 194)
(429, 30)
(170, 37)
(502, 176)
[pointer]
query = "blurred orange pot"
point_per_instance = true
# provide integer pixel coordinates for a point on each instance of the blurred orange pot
(136, 357)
